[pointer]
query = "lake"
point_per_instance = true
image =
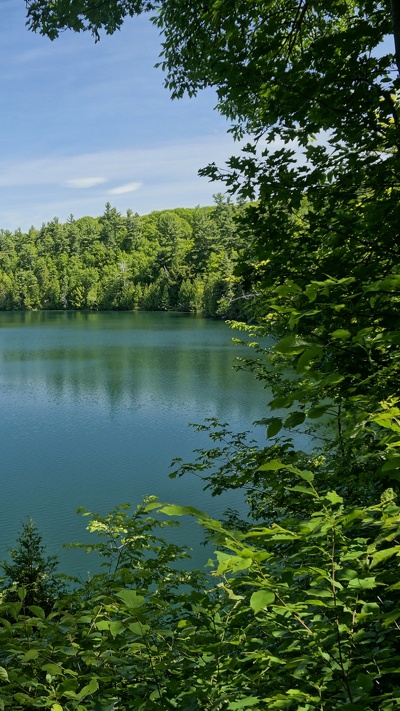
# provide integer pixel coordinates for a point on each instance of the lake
(94, 407)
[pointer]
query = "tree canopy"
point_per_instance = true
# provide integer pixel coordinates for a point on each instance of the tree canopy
(179, 260)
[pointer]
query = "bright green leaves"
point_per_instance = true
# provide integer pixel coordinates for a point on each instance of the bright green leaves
(175, 510)
(261, 599)
(384, 554)
(333, 497)
(291, 600)
(363, 583)
(87, 690)
(231, 563)
(341, 333)
(249, 701)
(276, 465)
(131, 599)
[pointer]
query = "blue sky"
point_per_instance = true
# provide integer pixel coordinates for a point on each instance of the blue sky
(85, 123)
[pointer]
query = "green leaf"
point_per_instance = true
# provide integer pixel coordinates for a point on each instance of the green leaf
(306, 475)
(117, 628)
(30, 654)
(333, 497)
(383, 554)
(317, 411)
(261, 599)
(53, 669)
(23, 699)
(392, 463)
(273, 465)
(332, 379)
(243, 703)
(294, 419)
(363, 583)
(291, 345)
(274, 427)
(103, 625)
(392, 337)
(3, 674)
(138, 628)
(303, 490)
(38, 611)
(307, 356)
(341, 333)
(56, 707)
(365, 682)
(175, 510)
(88, 689)
(231, 563)
(390, 283)
(131, 598)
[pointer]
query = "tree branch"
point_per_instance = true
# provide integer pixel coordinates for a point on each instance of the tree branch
(395, 7)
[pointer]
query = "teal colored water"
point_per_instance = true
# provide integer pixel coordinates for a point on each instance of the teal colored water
(93, 408)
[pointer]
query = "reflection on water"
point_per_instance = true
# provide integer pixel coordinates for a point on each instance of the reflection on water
(95, 406)
(151, 357)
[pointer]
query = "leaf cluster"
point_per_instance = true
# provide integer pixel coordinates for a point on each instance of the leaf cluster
(297, 614)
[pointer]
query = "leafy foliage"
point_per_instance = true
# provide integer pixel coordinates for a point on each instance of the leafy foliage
(297, 615)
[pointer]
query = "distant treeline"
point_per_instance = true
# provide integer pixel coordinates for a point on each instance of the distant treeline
(180, 259)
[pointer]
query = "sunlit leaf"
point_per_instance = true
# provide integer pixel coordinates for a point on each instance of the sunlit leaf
(261, 599)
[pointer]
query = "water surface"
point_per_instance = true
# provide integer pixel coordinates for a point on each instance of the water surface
(94, 406)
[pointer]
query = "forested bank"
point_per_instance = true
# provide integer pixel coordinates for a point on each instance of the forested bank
(179, 259)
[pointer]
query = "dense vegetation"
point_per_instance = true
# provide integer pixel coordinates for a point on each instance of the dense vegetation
(302, 609)
(179, 259)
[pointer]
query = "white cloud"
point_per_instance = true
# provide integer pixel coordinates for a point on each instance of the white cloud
(84, 182)
(34, 190)
(163, 162)
(123, 189)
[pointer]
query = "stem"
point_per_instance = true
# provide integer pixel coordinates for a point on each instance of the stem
(340, 431)
(344, 674)
(296, 617)
(164, 701)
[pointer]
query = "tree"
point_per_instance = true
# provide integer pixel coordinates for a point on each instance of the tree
(31, 570)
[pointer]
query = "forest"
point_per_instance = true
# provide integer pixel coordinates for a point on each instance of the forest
(179, 259)
(300, 606)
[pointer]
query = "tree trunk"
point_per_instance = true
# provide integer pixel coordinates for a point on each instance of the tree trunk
(395, 5)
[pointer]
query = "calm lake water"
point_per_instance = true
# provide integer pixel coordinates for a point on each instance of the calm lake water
(94, 407)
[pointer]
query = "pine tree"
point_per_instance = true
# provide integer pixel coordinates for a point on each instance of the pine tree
(30, 568)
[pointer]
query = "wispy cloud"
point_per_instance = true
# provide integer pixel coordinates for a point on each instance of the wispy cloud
(165, 162)
(123, 189)
(34, 191)
(84, 182)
